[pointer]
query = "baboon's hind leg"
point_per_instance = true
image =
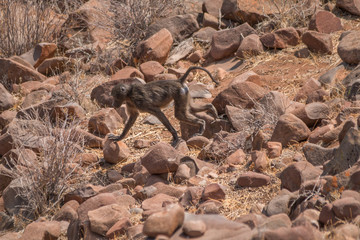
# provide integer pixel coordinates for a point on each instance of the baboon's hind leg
(183, 114)
(163, 119)
(204, 107)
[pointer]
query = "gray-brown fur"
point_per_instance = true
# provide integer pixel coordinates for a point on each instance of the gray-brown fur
(153, 96)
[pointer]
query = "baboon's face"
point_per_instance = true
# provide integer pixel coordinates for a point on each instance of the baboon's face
(119, 93)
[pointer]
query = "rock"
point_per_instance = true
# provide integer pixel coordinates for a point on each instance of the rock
(204, 34)
(238, 95)
(119, 228)
(198, 141)
(39, 53)
(195, 57)
(82, 194)
(181, 51)
(214, 191)
(180, 26)
(212, 21)
(274, 149)
(115, 152)
(317, 155)
(272, 40)
(211, 126)
(312, 113)
(260, 160)
(318, 42)
(288, 35)
(127, 72)
(6, 99)
(236, 158)
(151, 189)
(164, 222)
(6, 117)
(352, 6)
(307, 89)
(17, 73)
(42, 230)
(105, 121)
(103, 218)
(161, 158)
(346, 231)
(297, 173)
(325, 22)
(191, 196)
(5, 177)
(254, 12)
(209, 207)
(302, 53)
(310, 217)
(346, 155)
(346, 208)
(199, 90)
(224, 144)
(250, 46)
(68, 112)
(351, 193)
(182, 173)
(276, 221)
(68, 212)
(55, 65)
(225, 42)
(300, 232)
(319, 132)
(278, 204)
(212, 7)
(156, 202)
(141, 143)
(290, 129)
(156, 48)
(327, 215)
(329, 77)
(194, 228)
(150, 69)
(252, 179)
(349, 47)
(35, 97)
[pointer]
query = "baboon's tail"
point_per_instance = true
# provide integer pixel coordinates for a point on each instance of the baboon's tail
(182, 79)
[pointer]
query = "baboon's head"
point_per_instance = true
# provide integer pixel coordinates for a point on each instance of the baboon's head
(119, 93)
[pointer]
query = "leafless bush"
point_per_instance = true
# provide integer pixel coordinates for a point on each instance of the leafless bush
(45, 181)
(130, 19)
(290, 13)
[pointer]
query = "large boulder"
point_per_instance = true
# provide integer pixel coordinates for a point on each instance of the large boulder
(352, 6)
(290, 129)
(349, 47)
(180, 26)
(15, 72)
(224, 43)
(157, 47)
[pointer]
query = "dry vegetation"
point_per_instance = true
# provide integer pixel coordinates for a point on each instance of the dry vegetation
(46, 184)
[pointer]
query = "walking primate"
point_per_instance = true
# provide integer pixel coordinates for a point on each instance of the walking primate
(153, 96)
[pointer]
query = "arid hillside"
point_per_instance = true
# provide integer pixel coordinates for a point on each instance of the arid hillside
(262, 140)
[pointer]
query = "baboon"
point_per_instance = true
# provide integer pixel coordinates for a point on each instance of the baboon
(153, 96)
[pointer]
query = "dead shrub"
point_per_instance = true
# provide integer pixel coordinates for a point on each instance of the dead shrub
(44, 182)
(290, 13)
(131, 18)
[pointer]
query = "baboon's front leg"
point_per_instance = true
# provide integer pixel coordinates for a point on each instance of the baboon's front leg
(129, 123)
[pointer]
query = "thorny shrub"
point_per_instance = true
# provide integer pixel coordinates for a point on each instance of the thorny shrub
(23, 24)
(290, 13)
(45, 181)
(131, 18)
